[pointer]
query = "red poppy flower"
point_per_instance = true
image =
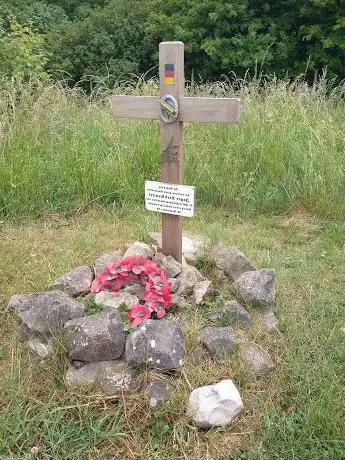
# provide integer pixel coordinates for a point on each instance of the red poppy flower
(137, 314)
(138, 268)
(132, 270)
(158, 308)
(129, 262)
(115, 268)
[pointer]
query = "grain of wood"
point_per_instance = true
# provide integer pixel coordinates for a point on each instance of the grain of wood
(198, 109)
(172, 144)
(210, 110)
(140, 107)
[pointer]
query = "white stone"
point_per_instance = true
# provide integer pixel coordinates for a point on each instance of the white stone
(214, 405)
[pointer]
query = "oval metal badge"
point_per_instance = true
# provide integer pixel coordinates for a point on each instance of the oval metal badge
(168, 108)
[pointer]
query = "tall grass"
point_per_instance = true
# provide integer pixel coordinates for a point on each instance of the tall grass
(60, 150)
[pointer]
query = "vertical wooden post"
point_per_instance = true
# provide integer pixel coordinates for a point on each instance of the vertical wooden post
(171, 76)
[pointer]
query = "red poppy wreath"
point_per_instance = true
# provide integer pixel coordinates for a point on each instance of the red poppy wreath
(131, 270)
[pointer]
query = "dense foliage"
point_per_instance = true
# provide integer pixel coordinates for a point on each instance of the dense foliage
(115, 39)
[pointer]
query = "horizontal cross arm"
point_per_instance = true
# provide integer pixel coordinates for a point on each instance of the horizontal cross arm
(210, 110)
(198, 109)
(144, 107)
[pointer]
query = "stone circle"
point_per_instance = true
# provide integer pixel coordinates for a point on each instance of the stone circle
(103, 354)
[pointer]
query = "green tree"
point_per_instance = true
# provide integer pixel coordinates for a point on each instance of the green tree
(110, 43)
(322, 33)
(75, 9)
(39, 15)
(222, 35)
(117, 38)
(22, 53)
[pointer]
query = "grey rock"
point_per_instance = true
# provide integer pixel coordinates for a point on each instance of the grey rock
(111, 377)
(171, 266)
(110, 300)
(214, 405)
(157, 393)
(157, 344)
(160, 259)
(83, 376)
(45, 312)
(139, 249)
(106, 260)
(190, 258)
(188, 279)
(233, 313)
(269, 321)
(258, 361)
(136, 290)
(174, 285)
(75, 283)
(40, 347)
(256, 287)
(219, 341)
(23, 332)
(192, 243)
(117, 377)
(202, 291)
(221, 277)
(95, 338)
(21, 302)
(178, 302)
(233, 262)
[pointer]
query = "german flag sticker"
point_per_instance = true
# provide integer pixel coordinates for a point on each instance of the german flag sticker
(169, 74)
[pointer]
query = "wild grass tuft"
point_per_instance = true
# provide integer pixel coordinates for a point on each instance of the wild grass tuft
(61, 151)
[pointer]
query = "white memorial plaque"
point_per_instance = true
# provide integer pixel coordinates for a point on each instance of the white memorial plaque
(178, 200)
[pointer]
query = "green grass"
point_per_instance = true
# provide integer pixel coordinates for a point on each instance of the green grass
(61, 151)
(273, 186)
(297, 412)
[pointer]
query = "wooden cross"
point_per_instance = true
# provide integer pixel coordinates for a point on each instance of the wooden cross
(172, 109)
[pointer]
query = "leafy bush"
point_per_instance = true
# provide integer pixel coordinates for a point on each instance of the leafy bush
(22, 53)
